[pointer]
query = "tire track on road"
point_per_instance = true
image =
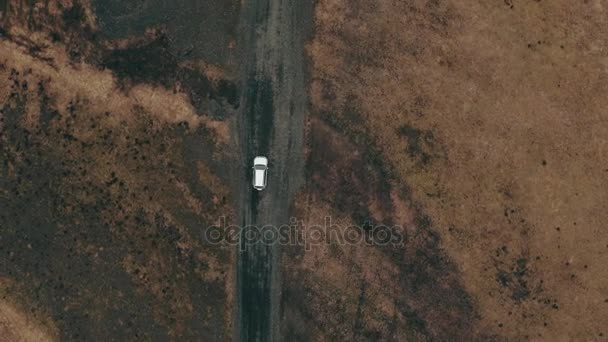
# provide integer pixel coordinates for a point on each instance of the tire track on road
(271, 118)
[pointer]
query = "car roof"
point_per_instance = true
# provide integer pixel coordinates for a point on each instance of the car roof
(260, 161)
(259, 177)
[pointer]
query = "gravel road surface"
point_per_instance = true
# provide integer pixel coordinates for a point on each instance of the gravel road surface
(270, 123)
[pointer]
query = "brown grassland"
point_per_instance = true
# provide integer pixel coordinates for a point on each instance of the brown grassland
(110, 167)
(479, 130)
(482, 126)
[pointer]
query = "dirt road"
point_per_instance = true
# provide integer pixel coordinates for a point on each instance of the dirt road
(270, 123)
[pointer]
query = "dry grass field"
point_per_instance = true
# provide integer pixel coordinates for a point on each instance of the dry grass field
(477, 130)
(481, 126)
(111, 167)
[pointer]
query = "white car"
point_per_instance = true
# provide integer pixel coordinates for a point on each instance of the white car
(260, 171)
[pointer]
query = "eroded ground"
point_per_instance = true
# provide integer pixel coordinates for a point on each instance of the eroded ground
(481, 128)
(113, 154)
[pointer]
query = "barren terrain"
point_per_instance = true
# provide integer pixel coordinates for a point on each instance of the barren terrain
(482, 128)
(112, 165)
(476, 130)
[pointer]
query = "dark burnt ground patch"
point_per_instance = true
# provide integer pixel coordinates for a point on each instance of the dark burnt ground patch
(197, 29)
(74, 16)
(520, 284)
(420, 143)
(152, 60)
(148, 61)
(68, 24)
(371, 172)
(102, 229)
(430, 303)
(347, 181)
(522, 287)
(102, 210)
